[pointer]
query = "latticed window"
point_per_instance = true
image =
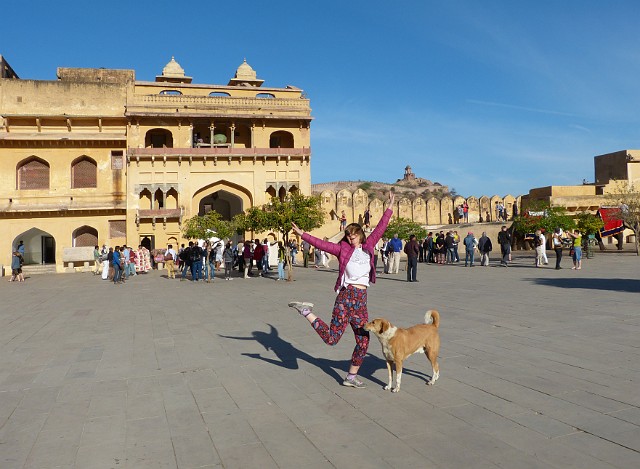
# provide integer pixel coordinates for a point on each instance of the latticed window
(117, 229)
(34, 174)
(86, 236)
(84, 174)
(117, 160)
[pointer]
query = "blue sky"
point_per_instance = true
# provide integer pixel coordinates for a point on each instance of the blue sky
(485, 96)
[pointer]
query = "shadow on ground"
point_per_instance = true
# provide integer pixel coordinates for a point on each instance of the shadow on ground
(288, 356)
(611, 284)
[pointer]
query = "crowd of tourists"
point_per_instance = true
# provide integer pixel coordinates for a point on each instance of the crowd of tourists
(120, 263)
(443, 248)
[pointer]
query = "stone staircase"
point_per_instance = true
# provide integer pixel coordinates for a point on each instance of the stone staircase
(37, 269)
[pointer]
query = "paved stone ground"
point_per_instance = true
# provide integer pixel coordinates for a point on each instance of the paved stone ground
(539, 368)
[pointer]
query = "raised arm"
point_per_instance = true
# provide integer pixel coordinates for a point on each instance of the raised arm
(379, 230)
(328, 246)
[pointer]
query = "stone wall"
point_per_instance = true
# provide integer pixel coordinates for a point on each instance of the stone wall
(425, 212)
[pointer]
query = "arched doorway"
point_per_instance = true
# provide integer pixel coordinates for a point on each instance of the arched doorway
(148, 242)
(221, 201)
(39, 246)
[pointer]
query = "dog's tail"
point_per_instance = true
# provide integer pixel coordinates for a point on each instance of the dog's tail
(432, 316)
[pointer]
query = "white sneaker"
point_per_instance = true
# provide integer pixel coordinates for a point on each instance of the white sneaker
(301, 306)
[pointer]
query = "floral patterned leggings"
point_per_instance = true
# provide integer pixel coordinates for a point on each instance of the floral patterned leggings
(350, 308)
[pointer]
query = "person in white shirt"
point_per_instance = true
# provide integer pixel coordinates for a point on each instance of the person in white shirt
(170, 257)
(545, 259)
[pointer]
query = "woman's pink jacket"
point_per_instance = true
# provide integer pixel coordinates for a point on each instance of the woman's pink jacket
(344, 249)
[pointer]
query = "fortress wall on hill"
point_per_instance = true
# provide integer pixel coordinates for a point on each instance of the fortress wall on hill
(430, 212)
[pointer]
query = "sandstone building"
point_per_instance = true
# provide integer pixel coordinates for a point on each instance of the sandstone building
(98, 157)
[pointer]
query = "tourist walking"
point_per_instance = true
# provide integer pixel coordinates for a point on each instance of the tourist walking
(485, 247)
(185, 260)
(356, 273)
(96, 260)
(246, 256)
(16, 267)
(170, 257)
(104, 258)
(343, 221)
(577, 249)
(306, 247)
(556, 239)
(449, 241)
(228, 258)
(412, 250)
(504, 240)
(20, 250)
(441, 248)
(258, 256)
(456, 242)
(282, 254)
(196, 262)
(470, 242)
(394, 249)
(210, 266)
(117, 266)
(537, 242)
(384, 252)
(428, 248)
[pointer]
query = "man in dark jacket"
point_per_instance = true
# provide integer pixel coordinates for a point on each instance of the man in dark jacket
(185, 260)
(485, 247)
(470, 243)
(411, 249)
(196, 262)
(504, 239)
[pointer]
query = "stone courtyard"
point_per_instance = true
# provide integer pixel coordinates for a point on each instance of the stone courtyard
(539, 369)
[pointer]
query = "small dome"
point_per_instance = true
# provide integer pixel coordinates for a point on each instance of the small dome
(245, 76)
(173, 69)
(173, 73)
(245, 72)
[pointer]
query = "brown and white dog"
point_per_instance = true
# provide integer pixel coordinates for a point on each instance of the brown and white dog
(398, 344)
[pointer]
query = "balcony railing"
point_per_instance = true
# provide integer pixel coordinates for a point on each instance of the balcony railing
(220, 101)
(219, 151)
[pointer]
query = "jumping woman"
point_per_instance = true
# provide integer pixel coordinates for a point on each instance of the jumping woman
(356, 272)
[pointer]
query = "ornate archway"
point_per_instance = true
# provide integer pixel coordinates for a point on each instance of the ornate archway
(224, 197)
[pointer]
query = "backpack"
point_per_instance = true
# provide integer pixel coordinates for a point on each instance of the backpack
(196, 254)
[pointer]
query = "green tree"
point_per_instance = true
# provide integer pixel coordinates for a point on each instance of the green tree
(278, 215)
(627, 196)
(207, 226)
(589, 224)
(404, 227)
(549, 219)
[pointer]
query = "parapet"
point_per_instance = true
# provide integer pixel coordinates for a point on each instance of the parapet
(96, 75)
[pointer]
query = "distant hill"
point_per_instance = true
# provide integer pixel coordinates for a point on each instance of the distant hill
(409, 186)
